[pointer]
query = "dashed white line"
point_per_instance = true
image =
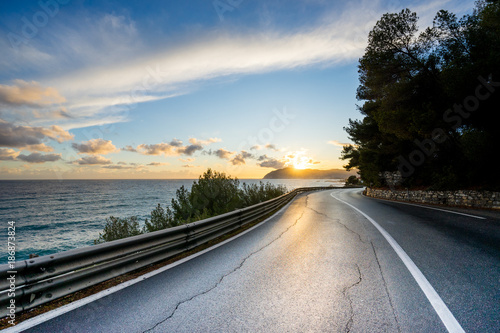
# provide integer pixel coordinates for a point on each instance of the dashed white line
(448, 319)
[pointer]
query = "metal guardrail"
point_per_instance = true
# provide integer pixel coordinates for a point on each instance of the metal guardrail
(43, 279)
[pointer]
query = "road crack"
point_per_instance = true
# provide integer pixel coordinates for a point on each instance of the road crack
(227, 274)
(386, 289)
(345, 292)
(338, 222)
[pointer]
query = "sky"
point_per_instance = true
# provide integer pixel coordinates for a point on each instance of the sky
(166, 89)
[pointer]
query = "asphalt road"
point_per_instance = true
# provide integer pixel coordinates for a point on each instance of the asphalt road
(320, 265)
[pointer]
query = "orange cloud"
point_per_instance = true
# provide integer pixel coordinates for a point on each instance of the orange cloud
(93, 160)
(29, 93)
(30, 138)
(95, 146)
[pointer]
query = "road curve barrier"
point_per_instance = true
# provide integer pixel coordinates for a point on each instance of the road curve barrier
(43, 279)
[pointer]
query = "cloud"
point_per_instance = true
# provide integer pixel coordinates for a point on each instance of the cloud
(238, 160)
(129, 149)
(30, 138)
(156, 149)
(61, 113)
(36, 157)
(195, 141)
(93, 160)
(221, 153)
(270, 162)
(157, 73)
(29, 93)
(338, 143)
(189, 150)
(168, 149)
(120, 167)
(8, 154)
(195, 145)
(269, 146)
(241, 157)
(173, 148)
(176, 143)
(95, 146)
(158, 163)
(215, 56)
(101, 90)
(263, 157)
(188, 166)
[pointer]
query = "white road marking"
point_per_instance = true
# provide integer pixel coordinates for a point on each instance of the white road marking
(448, 319)
(32, 322)
(440, 209)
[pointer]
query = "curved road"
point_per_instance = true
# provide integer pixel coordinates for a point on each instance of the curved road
(321, 265)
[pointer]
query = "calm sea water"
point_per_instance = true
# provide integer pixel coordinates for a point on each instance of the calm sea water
(53, 216)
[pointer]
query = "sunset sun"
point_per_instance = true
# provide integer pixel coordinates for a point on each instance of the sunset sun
(297, 160)
(300, 165)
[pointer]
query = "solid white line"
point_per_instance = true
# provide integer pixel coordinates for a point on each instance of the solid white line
(451, 323)
(423, 206)
(29, 323)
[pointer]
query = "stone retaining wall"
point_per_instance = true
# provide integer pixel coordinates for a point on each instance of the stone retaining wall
(473, 199)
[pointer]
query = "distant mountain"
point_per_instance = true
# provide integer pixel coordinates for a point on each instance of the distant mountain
(292, 173)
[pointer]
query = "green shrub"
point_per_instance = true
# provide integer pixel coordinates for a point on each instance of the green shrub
(160, 219)
(118, 228)
(213, 194)
(252, 194)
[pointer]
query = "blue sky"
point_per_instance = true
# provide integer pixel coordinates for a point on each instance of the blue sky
(166, 89)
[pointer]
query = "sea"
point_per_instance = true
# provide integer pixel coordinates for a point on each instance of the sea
(52, 216)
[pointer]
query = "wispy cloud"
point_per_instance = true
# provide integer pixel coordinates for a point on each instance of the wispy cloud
(214, 57)
(103, 89)
(93, 91)
(29, 93)
(338, 143)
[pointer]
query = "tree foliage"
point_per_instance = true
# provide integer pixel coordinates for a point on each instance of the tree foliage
(429, 103)
(118, 228)
(160, 219)
(352, 180)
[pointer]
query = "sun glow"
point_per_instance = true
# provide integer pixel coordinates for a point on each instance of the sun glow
(299, 165)
(297, 160)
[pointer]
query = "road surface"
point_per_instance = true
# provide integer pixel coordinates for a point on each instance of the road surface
(321, 265)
